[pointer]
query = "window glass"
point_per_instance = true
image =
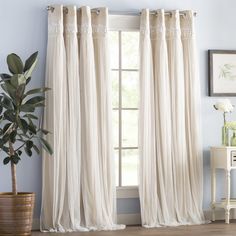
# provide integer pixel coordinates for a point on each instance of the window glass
(130, 89)
(130, 50)
(130, 167)
(129, 128)
(125, 96)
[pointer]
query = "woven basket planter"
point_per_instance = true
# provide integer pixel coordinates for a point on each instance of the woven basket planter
(16, 213)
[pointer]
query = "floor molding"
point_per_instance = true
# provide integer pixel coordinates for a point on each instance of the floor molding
(219, 214)
(129, 219)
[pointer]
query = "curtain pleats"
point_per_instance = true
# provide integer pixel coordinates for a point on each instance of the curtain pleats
(78, 182)
(170, 151)
(192, 114)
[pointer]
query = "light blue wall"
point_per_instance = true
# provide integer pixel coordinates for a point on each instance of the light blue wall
(23, 31)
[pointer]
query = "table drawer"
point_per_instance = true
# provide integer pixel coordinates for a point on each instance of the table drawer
(233, 158)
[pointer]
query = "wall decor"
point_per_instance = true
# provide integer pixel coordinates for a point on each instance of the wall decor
(222, 72)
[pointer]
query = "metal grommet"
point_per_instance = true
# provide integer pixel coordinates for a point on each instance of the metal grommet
(50, 8)
(66, 10)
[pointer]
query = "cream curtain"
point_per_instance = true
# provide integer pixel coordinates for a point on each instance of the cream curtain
(78, 180)
(170, 151)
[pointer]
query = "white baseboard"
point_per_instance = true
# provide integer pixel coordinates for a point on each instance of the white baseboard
(129, 219)
(219, 214)
(135, 219)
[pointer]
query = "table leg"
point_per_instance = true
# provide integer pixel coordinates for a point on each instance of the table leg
(227, 209)
(213, 192)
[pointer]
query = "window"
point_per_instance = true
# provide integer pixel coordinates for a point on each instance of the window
(124, 49)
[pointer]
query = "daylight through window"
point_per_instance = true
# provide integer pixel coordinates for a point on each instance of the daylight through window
(124, 49)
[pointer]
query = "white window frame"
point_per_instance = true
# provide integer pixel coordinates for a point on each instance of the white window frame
(125, 23)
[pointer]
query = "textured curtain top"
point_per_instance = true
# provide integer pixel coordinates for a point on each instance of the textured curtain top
(81, 21)
(170, 26)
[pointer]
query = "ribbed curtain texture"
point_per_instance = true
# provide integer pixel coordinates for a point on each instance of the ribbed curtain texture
(169, 141)
(79, 179)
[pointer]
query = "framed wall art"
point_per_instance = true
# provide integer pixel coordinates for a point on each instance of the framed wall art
(222, 72)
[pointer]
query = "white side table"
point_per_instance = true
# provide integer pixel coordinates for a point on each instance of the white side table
(222, 158)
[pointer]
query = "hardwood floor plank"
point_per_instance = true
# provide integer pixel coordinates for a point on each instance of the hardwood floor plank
(217, 228)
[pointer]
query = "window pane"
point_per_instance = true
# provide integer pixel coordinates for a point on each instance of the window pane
(113, 39)
(130, 167)
(130, 50)
(130, 88)
(129, 128)
(115, 130)
(115, 88)
(116, 152)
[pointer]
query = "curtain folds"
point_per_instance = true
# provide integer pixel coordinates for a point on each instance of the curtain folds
(170, 151)
(78, 113)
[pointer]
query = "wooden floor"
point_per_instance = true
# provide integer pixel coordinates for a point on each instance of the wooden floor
(214, 229)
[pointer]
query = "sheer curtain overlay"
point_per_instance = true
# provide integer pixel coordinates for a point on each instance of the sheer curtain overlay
(170, 150)
(78, 113)
(78, 180)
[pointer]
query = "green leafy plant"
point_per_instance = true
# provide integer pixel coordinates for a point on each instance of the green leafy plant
(19, 126)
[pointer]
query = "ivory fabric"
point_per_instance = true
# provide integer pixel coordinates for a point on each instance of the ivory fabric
(169, 140)
(78, 183)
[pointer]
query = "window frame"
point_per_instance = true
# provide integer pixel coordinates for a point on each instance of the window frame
(123, 23)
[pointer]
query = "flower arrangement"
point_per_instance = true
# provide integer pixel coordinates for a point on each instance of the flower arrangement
(225, 106)
(231, 125)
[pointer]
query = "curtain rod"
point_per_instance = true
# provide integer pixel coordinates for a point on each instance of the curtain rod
(96, 10)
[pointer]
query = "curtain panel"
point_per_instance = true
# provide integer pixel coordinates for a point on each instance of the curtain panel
(78, 180)
(169, 140)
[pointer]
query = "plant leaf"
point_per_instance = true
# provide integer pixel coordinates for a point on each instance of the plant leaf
(5, 149)
(28, 151)
(24, 126)
(19, 93)
(19, 152)
(17, 80)
(7, 87)
(5, 76)
(30, 61)
(27, 108)
(9, 115)
(40, 104)
(31, 116)
(32, 127)
(30, 64)
(29, 144)
(13, 136)
(47, 147)
(35, 100)
(28, 80)
(6, 127)
(6, 160)
(15, 158)
(7, 102)
(15, 64)
(36, 149)
(37, 90)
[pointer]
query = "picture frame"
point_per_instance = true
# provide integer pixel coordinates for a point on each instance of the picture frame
(222, 72)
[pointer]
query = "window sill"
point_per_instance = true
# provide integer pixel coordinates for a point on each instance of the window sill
(127, 192)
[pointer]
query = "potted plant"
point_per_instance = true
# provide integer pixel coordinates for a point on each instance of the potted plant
(19, 129)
